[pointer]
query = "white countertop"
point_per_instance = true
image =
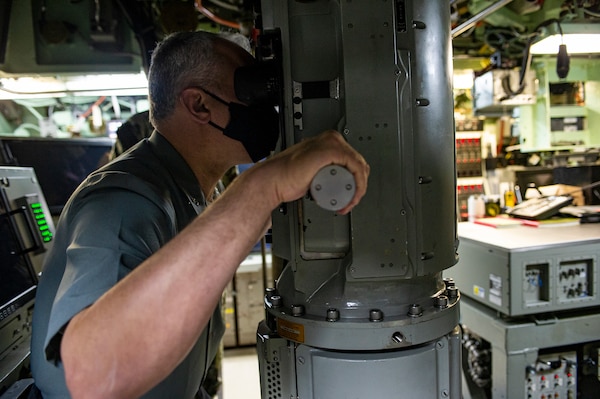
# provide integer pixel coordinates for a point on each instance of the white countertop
(519, 238)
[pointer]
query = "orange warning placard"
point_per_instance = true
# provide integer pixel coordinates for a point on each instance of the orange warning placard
(289, 330)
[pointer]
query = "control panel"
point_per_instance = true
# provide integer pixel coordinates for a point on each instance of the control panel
(26, 236)
(35, 217)
(574, 280)
(553, 376)
(536, 284)
(528, 271)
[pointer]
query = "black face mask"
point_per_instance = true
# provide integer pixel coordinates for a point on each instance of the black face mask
(255, 126)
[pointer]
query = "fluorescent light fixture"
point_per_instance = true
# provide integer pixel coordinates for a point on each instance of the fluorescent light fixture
(64, 85)
(580, 38)
(577, 43)
(104, 82)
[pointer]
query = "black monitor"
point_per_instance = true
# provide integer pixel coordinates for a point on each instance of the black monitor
(582, 176)
(5, 7)
(60, 164)
(539, 176)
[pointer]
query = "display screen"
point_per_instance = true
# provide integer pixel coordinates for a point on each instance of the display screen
(60, 164)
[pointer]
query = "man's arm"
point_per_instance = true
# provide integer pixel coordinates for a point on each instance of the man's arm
(118, 348)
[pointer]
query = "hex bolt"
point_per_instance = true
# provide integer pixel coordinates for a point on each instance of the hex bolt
(375, 315)
(452, 292)
(276, 301)
(397, 337)
(441, 301)
(318, 187)
(332, 314)
(415, 310)
(297, 310)
(449, 281)
(270, 292)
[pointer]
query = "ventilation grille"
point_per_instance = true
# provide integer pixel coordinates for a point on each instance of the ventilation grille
(273, 381)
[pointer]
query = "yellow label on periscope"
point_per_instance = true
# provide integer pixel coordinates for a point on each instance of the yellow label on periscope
(292, 331)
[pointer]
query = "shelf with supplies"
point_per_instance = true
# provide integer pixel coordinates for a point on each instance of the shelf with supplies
(469, 154)
(465, 188)
(469, 168)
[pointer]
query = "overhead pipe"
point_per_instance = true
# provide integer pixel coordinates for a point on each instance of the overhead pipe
(213, 17)
(460, 29)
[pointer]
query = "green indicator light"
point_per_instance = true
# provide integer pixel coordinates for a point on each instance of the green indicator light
(43, 228)
(36, 205)
(47, 239)
(41, 222)
(40, 216)
(38, 212)
(46, 233)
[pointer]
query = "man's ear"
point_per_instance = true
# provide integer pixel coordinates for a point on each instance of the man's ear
(193, 100)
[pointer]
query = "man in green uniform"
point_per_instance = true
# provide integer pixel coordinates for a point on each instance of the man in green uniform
(127, 305)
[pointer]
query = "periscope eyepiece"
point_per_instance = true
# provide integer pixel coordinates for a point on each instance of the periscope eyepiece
(258, 84)
(261, 82)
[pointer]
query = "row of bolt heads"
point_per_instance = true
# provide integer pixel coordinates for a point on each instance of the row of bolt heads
(415, 310)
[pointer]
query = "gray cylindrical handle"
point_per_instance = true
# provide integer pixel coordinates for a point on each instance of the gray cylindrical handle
(333, 187)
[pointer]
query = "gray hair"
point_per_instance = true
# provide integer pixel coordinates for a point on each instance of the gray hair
(182, 59)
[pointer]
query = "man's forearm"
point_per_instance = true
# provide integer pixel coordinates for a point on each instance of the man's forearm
(185, 279)
(182, 282)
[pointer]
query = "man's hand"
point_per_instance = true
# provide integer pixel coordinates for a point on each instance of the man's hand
(287, 175)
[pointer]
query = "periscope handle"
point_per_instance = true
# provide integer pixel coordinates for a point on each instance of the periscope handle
(333, 187)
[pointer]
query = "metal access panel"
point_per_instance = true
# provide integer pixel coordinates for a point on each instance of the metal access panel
(527, 270)
(290, 370)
